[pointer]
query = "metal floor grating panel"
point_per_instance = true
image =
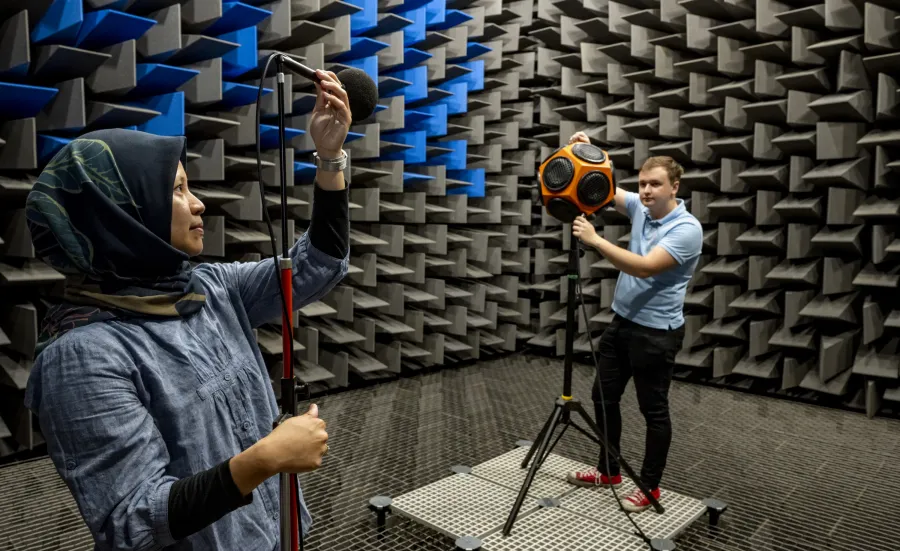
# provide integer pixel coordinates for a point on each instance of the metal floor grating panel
(553, 528)
(460, 505)
(37, 511)
(549, 481)
(600, 504)
(394, 437)
(468, 504)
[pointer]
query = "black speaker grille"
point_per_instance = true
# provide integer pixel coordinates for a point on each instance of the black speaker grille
(558, 173)
(562, 210)
(589, 153)
(593, 188)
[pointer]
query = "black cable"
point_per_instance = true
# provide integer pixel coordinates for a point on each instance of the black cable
(577, 243)
(262, 196)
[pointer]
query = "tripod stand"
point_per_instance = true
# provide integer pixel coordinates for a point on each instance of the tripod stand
(563, 409)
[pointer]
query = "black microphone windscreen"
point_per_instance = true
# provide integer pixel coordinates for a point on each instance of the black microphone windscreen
(361, 91)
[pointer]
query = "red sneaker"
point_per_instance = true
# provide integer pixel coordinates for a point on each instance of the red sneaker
(636, 501)
(593, 477)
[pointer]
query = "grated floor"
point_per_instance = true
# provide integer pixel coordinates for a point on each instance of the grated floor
(796, 477)
(478, 504)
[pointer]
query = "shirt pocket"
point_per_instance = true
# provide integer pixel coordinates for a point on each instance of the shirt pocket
(226, 391)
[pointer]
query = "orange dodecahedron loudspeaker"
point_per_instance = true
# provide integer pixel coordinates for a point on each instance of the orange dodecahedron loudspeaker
(576, 179)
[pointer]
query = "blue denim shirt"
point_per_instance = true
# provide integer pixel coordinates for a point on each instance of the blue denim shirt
(127, 408)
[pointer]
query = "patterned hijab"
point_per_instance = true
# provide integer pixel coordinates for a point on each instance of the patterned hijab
(101, 213)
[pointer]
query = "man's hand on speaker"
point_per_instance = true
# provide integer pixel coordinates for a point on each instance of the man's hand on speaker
(584, 230)
(330, 119)
(579, 137)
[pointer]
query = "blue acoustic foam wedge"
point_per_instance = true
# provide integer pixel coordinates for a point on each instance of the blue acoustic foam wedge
(408, 5)
(48, 146)
(304, 171)
(245, 57)
(455, 159)
(474, 79)
(412, 178)
(435, 13)
(303, 103)
(104, 28)
(418, 83)
(436, 124)
(238, 95)
(412, 58)
(416, 155)
(198, 47)
(450, 19)
(475, 177)
(366, 19)
(414, 33)
(170, 121)
(61, 23)
(236, 16)
(154, 79)
(361, 47)
(457, 102)
(22, 101)
(412, 120)
(388, 24)
(473, 50)
(268, 135)
(389, 87)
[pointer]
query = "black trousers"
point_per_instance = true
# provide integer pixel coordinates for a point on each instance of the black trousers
(630, 350)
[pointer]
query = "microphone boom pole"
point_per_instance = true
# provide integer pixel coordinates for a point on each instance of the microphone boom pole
(362, 93)
(290, 530)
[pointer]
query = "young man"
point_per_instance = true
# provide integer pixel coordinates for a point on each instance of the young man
(648, 326)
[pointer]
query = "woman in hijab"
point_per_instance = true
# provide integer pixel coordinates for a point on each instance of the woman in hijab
(150, 389)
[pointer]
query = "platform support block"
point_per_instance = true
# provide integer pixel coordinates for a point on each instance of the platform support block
(468, 543)
(714, 509)
(381, 505)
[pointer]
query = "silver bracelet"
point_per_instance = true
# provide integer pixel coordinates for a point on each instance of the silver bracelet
(331, 165)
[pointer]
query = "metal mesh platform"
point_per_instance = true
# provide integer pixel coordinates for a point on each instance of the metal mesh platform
(461, 504)
(37, 510)
(478, 503)
(561, 529)
(549, 481)
(600, 504)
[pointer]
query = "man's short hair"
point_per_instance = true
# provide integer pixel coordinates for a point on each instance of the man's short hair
(670, 165)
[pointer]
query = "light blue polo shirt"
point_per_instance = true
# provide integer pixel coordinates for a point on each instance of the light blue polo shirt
(658, 301)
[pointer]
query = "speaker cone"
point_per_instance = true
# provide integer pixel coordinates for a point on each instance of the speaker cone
(558, 173)
(562, 210)
(589, 153)
(593, 188)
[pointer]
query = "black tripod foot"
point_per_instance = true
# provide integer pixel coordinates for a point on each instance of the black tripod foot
(662, 545)
(468, 543)
(381, 505)
(714, 508)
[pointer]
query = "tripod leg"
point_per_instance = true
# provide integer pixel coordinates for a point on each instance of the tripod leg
(537, 440)
(622, 463)
(553, 445)
(523, 491)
